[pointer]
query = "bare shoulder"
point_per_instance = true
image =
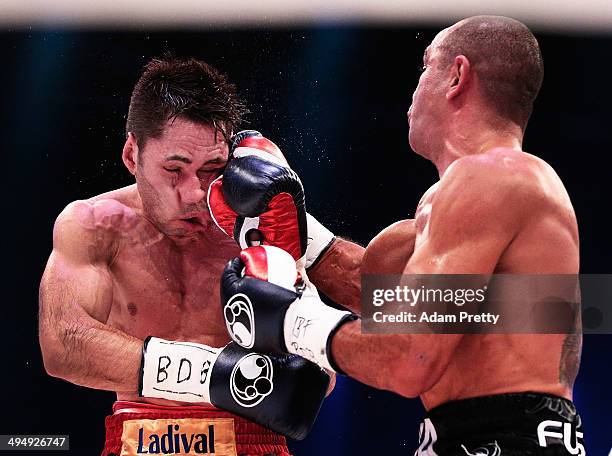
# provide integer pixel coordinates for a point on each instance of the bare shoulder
(398, 231)
(504, 166)
(128, 196)
(389, 251)
(97, 214)
(503, 177)
(91, 229)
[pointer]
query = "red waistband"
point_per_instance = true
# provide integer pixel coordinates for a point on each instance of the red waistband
(125, 410)
(143, 407)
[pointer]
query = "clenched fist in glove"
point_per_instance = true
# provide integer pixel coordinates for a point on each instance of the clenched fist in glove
(259, 200)
(269, 307)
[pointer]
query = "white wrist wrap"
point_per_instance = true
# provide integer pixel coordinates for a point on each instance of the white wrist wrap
(319, 238)
(178, 371)
(309, 323)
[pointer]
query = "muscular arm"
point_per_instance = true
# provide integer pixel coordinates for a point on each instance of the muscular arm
(75, 301)
(337, 273)
(469, 228)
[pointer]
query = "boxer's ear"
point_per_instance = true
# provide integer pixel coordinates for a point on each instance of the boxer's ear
(130, 153)
(460, 76)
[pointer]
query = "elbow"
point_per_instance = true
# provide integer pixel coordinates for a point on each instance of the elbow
(52, 356)
(420, 362)
(52, 366)
(412, 377)
(51, 362)
(406, 387)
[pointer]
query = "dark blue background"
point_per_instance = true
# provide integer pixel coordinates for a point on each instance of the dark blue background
(335, 99)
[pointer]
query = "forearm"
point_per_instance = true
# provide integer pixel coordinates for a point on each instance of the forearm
(337, 274)
(286, 321)
(86, 352)
(407, 364)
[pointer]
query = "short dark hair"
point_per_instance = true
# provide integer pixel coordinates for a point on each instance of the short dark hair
(170, 87)
(507, 59)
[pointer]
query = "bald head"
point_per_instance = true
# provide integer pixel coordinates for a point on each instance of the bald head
(506, 57)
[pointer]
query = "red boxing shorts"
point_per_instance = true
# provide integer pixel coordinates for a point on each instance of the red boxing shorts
(137, 428)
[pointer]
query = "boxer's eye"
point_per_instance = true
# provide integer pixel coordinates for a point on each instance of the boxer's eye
(206, 173)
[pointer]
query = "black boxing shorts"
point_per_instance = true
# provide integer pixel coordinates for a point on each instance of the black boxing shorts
(525, 424)
(137, 428)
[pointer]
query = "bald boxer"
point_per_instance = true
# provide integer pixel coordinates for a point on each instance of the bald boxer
(495, 210)
(129, 298)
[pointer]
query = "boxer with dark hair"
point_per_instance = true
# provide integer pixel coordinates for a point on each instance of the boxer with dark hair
(169, 88)
(129, 297)
(495, 210)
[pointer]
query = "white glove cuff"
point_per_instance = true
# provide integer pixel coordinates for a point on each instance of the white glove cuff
(319, 240)
(309, 325)
(178, 371)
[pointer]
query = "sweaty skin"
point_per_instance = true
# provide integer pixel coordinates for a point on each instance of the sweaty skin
(119, 272)
(338, 273)
(514, 217)
(138, 261)
(496, 209)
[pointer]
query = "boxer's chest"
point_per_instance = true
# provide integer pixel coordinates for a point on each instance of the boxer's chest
(160, 291)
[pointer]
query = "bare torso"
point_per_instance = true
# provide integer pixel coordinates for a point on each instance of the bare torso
(159, 288)
(500, 363)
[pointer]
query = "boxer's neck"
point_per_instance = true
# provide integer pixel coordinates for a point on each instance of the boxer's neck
(476, 136)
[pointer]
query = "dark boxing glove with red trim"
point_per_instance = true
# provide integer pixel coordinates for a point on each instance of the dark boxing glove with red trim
(269, 307)
(259, 200)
